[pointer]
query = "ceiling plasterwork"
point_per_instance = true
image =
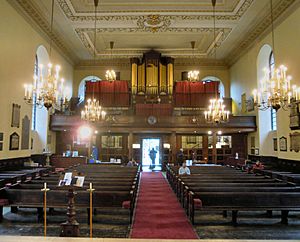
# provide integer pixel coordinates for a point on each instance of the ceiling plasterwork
(43, 23)
(221, 35)
(168, 26)
(257, 31)
(71, 14)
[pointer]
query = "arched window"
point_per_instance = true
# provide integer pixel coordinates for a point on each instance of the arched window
(81, 87)
(215, 79)
(273, 111)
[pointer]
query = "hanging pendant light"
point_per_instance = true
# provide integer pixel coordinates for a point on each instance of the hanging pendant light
(93, 111)
(47, 90)
(275, 89)
(193, 76)
(110, 75)
(216, 112)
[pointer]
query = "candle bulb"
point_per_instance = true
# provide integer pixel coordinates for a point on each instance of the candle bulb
(45, 185)
(25, 87)
(90, 186)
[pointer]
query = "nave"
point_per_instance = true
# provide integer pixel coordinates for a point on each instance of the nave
(162, 206)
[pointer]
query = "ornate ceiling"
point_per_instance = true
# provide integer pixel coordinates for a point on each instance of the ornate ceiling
(168, 26)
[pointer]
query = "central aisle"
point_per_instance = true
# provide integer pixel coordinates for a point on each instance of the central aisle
(158, 214)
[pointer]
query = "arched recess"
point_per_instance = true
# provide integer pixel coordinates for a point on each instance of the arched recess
(40, 115)
(216, 79)
(264, 117)
(81, 87)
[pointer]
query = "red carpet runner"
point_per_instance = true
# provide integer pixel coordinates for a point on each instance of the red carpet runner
(158, 213)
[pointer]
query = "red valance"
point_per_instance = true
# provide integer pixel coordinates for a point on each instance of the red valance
(110, 94)
(194, 94)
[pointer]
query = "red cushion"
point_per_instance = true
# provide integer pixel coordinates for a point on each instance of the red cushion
(4, 202)
(59, 169)
(197, 203)
(126, 204)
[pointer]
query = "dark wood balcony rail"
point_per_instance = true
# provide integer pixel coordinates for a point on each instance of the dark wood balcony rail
(126, 123)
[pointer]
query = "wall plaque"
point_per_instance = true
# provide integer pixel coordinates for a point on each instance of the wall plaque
(275, 144)
(25, 133)
(295, 115)
(283, 143)
(295, 142)
(14, 141)
(15, 120)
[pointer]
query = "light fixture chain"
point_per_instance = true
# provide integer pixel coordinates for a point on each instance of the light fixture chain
(51, 28)
(272, 26)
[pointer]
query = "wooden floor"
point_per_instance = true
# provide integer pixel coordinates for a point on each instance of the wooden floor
(60, 239)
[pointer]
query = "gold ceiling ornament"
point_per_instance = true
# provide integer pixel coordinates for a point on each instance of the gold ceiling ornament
(93, 111)
(47, 90)
(275, 89)
(216, 112)
(110, 75)
(193, 75)
(154, 23)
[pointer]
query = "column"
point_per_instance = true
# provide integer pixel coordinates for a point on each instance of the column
(173, 147)
(130, 142)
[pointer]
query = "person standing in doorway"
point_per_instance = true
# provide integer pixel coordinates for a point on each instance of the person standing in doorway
(180, 157)
(152, 155)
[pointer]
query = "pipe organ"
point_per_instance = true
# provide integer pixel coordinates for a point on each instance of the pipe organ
(152, 75)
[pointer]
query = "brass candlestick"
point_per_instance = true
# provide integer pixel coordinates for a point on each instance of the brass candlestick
(45, 190)
(91, 190)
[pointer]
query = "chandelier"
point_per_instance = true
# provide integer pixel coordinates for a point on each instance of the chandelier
(47, 91)
(275, 89)
(110, 75)
(193, 76)
(216, 112)
(93, 111)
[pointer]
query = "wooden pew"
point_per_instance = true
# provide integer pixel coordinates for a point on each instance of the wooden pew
(244, 201)
(58, 199)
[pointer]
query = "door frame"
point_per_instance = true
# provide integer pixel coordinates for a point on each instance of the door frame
(142, 137)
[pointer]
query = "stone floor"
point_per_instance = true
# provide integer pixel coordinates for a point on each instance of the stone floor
(107, 224)
(251, 225)
(114, 224)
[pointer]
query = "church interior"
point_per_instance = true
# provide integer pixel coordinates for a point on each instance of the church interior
(139, 120)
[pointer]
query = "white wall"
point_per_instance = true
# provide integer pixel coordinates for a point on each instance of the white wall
(244, 77)
(19, 42)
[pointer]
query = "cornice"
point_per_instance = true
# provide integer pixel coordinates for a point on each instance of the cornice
(125, 63)
(130, 15)
(256, 32)
(29, 9)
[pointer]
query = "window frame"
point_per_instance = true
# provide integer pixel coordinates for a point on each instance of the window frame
(273, 111)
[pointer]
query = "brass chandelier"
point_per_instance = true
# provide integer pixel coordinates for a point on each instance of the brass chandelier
(93, 111)
(47, 90)
(110, 75)
(275, 89)
(216, 112)
(193, 76)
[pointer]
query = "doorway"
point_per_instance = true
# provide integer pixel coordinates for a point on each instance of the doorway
(151, 154)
